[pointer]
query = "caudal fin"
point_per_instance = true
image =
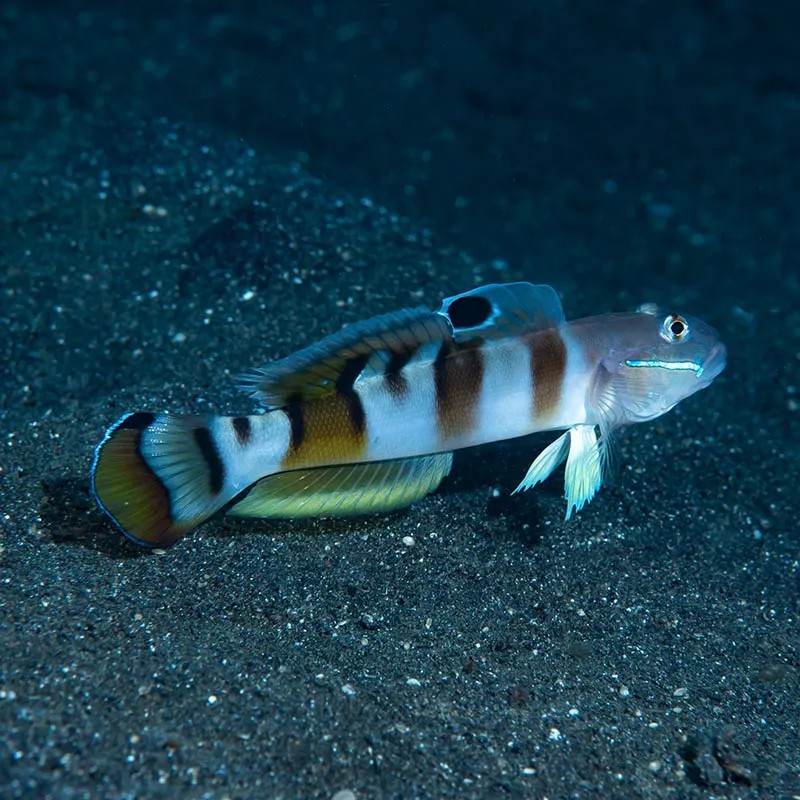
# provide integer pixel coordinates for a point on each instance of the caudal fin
(158, 476)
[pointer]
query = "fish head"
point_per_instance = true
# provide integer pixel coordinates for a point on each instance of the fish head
(653, 359)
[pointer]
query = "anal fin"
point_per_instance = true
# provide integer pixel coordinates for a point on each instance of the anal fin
(345, 490)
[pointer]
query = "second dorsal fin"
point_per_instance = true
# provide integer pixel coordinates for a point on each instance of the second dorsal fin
(364, 348)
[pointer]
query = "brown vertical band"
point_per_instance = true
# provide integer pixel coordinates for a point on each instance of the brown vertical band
(297, 428)
(458, 378)
(393, 373)
(243, 430)
(548, 366)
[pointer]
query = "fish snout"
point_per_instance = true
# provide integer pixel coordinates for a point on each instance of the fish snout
(715, 361)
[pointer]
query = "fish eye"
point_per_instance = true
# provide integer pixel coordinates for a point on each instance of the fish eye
(674, 328)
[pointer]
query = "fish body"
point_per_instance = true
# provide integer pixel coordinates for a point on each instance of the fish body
(366, 420)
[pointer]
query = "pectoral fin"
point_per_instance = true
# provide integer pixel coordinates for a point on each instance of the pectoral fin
(584, 473)
(546, 462)
(580, 446)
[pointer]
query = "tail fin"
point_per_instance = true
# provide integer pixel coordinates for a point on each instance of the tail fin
(158, 476)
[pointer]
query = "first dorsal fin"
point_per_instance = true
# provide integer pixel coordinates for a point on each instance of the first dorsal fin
(364, 348)
(501, 309)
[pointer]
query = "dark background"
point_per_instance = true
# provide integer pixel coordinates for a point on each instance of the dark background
(192, 189)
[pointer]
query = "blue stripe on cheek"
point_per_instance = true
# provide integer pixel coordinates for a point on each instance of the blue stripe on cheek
(659, 364)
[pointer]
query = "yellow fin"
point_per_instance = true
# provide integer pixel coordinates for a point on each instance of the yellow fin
(345, 490)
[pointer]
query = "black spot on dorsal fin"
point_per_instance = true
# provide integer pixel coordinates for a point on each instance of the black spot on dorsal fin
(469, 311)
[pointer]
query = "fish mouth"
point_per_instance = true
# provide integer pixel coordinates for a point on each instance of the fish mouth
(715, 361)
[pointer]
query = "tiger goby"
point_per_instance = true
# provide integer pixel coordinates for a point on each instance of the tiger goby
(367, 419)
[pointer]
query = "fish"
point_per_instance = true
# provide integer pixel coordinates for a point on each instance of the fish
(366, 420)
